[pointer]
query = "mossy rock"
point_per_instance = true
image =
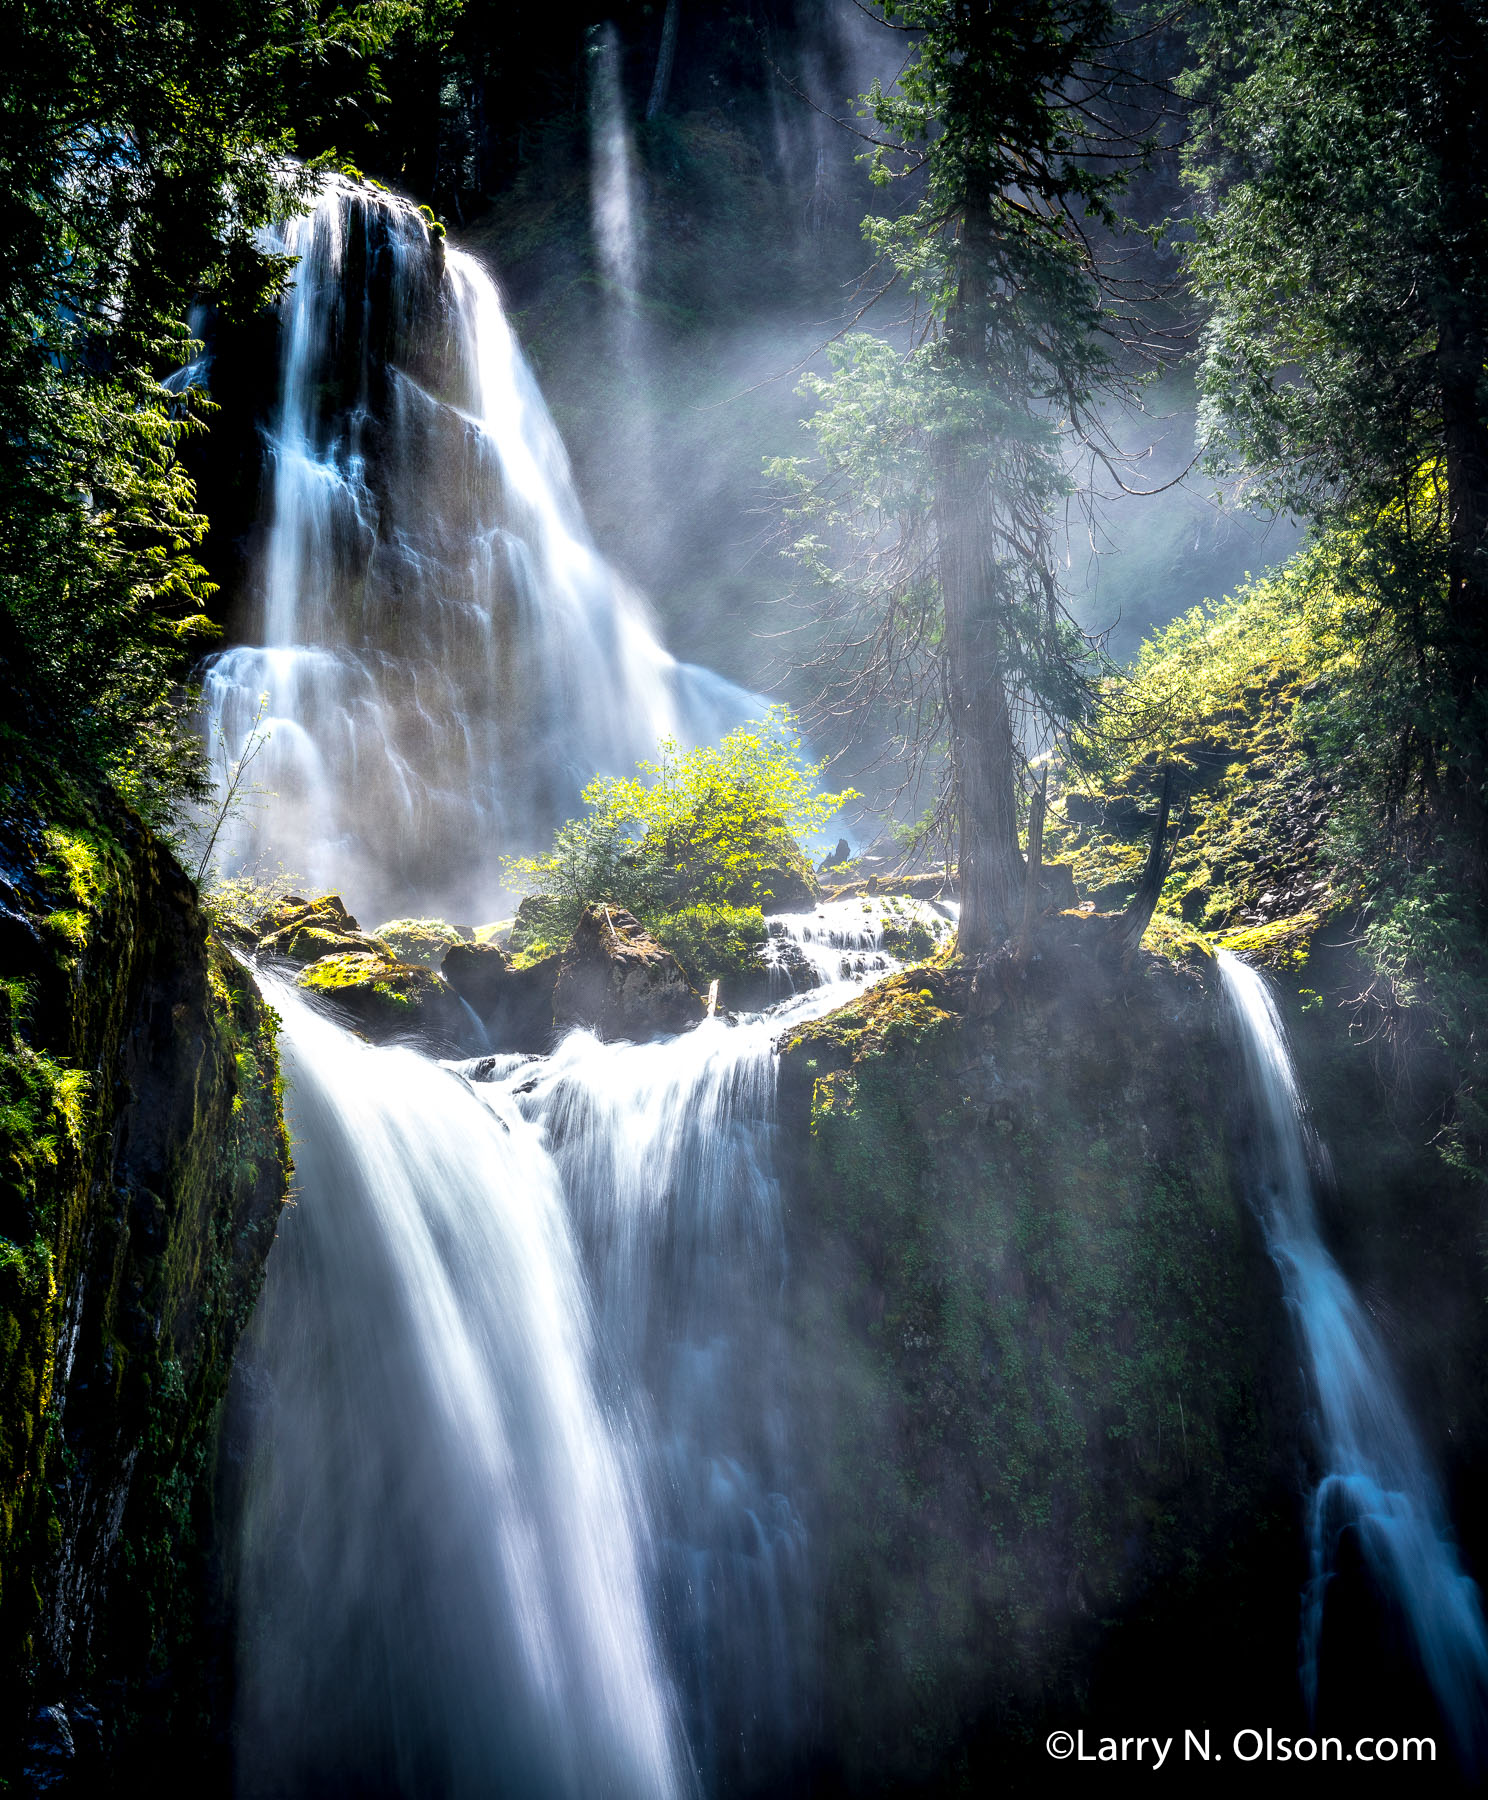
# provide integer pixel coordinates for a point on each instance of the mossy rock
(1278, 944)
(304, 931)
(385, 999)
(143, 1162)
(1042, 1347)
(420, 941)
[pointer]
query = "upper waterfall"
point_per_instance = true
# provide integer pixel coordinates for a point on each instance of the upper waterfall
(442, 657)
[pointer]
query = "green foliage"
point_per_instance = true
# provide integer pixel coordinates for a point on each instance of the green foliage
(141, 148)
(1329, 243)
(713, 824)
(982, 107)
(1342, 248)
(1230, 696)
(712, 942)
(928, 510)
(238, 902)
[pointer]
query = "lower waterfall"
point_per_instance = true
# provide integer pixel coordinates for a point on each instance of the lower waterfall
(1377, 1483)
(517, 1514)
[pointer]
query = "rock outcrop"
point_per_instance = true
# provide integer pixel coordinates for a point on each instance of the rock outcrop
(306, 930)
(1048, 1415)
(143, 1163)
(370, 985)
(386, 1000)
(616, 979)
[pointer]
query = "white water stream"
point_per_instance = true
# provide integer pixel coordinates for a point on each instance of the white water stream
(1377, 1481)
(518, 1514)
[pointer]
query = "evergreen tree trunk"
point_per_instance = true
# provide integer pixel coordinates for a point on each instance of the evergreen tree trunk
(662, 79)
(982, 751)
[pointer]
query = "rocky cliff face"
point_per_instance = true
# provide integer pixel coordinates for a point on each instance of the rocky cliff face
(143, 1163)
(1051, 1407)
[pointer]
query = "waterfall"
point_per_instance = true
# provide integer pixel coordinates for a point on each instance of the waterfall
(439, 653)
(518, 1515)
(1377, 1481)
(614, 194)
(442, 1570)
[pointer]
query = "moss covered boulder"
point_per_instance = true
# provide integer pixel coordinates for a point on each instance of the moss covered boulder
(305, 930)
(421, 941)
(386, 1000)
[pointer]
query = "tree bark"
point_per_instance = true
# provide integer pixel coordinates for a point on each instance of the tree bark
(1034, 867)
(662, 79)
(1129, 930)
(982, 749)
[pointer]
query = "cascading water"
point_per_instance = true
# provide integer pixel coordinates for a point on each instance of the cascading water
(442, 1567)
(1377, 1482)
(517, 1512)
(614, 200)
(441, 656)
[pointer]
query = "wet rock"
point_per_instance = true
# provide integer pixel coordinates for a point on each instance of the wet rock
(479, 973)
(385, 999)
(791, 970)
(513, 1004)
(842, 854)
(618, 980)
(50, 1750)
(304, 931)
(522, 1018)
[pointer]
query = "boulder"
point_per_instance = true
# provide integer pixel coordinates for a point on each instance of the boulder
(421, 941)
(514, 1005)
(616, 979)
(479, 974)
(385, 999)
(307, 930)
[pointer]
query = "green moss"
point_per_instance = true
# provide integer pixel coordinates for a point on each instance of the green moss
(129, 1032)
(713, 942)
(1279, 944)
(1226, 697)
(420, 941)
(354, 969)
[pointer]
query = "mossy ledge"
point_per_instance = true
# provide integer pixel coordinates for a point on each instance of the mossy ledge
(1050, 1407)
(143, 1164)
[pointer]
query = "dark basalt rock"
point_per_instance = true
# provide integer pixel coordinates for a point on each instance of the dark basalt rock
(616, 979)
(479, 973)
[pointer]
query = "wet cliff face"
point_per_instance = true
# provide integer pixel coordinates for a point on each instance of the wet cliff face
(1051, 1406)
(143, 1163)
